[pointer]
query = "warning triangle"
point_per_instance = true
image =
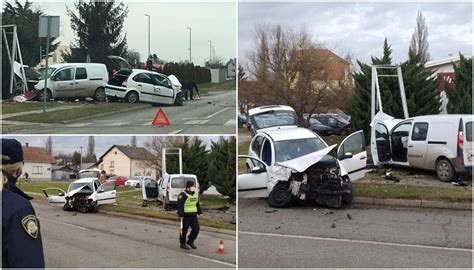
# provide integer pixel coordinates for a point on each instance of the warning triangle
(160, 119)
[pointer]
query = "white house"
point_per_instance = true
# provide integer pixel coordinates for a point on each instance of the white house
(231, 68)
(444, 70)
(38, 163)
(127, 161)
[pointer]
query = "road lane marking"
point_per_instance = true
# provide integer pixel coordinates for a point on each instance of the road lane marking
(231, 122)
(176, 131)
(212, 260)
(352, 241)
(216, 113)
(196, 122)
(116, 124)
(78, 125)
(63, 223)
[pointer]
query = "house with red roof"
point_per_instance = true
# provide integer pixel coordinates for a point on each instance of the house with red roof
(38, 163)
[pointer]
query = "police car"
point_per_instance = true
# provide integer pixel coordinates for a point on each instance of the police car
(84, 194)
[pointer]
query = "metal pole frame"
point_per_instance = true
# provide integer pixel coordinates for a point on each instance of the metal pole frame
(45, 89)
(12, 60)
(190, 61)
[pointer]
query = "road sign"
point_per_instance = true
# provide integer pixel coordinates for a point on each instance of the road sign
(78, 167)
(160, 119)
(53, 27)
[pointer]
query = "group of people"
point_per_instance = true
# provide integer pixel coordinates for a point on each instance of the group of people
(22, 245)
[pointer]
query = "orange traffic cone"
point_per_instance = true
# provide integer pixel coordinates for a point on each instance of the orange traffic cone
(197, 97)
(220, 250)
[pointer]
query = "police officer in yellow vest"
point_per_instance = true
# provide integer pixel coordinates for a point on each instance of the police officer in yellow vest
(188, 209)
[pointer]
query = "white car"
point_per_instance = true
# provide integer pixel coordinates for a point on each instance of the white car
(137, 181)
(145, 86)
(84, 195)
(283, 164)
(167, 189)
(271, 116)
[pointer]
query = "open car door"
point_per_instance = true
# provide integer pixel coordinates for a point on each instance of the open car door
(150, 190)
(55, 196)
(252, 183)
(106, 193)
(380, 143)
(353, 156)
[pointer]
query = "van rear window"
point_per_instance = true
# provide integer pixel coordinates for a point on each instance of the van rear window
(180, 182)
(469, 131)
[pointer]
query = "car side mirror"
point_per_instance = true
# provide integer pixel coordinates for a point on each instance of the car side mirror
(257, 170)
(347, 155)
(60, 193)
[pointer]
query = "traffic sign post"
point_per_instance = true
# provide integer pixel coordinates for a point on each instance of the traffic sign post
(48, 27)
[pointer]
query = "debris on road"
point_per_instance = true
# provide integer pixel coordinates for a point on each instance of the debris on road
(349, 216)
(333, 225)
(277, 228)
(271, 211)
(389, 175)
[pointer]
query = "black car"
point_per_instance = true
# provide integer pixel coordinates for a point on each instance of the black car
(319, 128)
(338, 125)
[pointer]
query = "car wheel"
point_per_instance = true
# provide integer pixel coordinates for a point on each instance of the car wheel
(178, 100)
(93, 207)
(347, 197)
(132, 97)
(66, 206)
(41, 95)
(99, 95)
(445, 170)
(137, 185)
(280, 196)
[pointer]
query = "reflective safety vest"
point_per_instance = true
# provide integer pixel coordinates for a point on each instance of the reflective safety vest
(190, 205)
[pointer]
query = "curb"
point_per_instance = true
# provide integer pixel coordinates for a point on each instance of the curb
(12, 128)
(167, 222)
(144, 106)
(414, 203)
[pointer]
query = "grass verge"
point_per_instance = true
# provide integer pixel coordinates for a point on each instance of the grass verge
(71, 114)
(207, 87)
(393, 191)
(13, 107)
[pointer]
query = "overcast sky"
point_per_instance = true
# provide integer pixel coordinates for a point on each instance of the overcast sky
(360, 28)
(69, 144)
(215, 21)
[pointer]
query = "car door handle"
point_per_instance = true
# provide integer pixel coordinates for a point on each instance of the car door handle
(77, 83)
(362, 158)
(139, 85)
(71, 83)
(410, 146)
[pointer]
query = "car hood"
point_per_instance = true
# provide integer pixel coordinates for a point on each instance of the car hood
(77, 190)
(277, 127)
(302, 163)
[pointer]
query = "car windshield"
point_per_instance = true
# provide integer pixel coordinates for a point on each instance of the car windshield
(74, 186)
(136, 178)
(291, 149)
(48, 73)
(314, 121)
(274, 118)
(87, 174)
(180, 182)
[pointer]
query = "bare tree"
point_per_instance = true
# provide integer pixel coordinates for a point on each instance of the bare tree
(90, 147)
(419, 39)
(49, 145)
(291, 68)
(133, 143)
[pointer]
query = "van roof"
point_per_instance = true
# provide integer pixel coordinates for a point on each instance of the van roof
(442, 116)
(75, 64)
(269, 108)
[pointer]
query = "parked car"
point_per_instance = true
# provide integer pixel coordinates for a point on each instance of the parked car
(119, 180)
(441, 143)
(338, 125)
(294, 163)
(167, 189)
(84, 195)
(272, 116)
(136, 181)
(241, 120)
(74, 80)
(145, 86)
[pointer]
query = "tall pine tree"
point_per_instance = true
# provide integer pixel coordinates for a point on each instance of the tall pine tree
(222, 166)
(460, 98)
(98, 27)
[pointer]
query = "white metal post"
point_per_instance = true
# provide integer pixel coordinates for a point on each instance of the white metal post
(25, 85)
(13, 53)
(372, 106)
(402, 92)
(180, 161)
(45, 90)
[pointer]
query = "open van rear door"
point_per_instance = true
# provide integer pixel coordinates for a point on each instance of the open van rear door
(150, 190)
(467, 151)
(55, 196)
(352, 155)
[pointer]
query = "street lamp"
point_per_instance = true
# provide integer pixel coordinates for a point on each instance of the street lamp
(149, 53)
(189, 44)
(210, 51)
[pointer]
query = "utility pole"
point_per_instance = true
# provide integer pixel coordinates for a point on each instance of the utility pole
(149, 52)
(190, 61)
(81, 157)
(210, 51)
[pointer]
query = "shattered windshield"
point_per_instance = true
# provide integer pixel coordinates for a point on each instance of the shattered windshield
(74, 186)
(274, 118)
(291, 149)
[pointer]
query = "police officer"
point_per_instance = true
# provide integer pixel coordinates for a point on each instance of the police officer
(21, 238)
(188, 209)
(189, 85)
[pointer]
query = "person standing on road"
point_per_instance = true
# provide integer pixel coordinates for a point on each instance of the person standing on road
(188, 209)
(22, 246)
(27, 177)
(188, 86)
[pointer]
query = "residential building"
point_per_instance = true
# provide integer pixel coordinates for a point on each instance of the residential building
(127, 161)
(56, 56)
(63, 173)
(38, 163)
(231, 69)
(218, 75)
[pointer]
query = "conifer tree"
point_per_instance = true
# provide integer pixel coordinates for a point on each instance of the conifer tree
(460, 98)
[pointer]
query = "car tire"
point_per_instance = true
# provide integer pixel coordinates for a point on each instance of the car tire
(445, 170)
(48, 95)
(347, 198)
(280, 196)
(137, 185)
(99, 95)
(178, 101)
(66, 206)
(132, 97)
(94, 207)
